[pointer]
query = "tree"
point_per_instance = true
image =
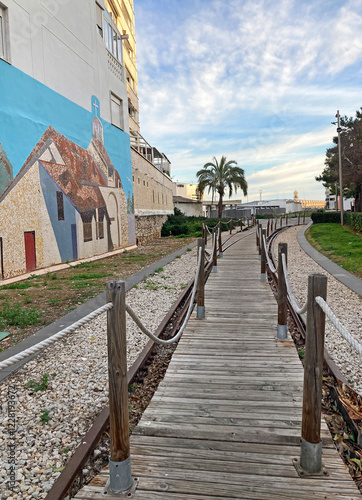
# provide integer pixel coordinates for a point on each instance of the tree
(351, 155)
(219, 177)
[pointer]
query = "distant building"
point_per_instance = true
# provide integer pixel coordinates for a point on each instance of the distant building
(65, 130)
(188, 190)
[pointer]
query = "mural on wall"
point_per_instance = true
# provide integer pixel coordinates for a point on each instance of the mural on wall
(67, 200)
(6, 170)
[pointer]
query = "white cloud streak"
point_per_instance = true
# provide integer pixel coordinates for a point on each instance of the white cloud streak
(256, 80)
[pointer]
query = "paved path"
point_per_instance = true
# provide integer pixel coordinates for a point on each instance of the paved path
(226, 420)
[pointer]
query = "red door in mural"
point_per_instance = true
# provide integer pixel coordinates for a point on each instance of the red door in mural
(30, 259)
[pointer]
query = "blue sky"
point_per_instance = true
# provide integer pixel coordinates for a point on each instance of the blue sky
(259, 81)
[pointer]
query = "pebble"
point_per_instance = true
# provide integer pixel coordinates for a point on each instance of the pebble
(77, 385)
(346, 305)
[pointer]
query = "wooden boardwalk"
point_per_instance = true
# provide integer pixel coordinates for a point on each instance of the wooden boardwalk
(225, 422)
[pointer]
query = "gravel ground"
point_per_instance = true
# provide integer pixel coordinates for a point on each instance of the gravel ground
(346, 305)
(50, 423)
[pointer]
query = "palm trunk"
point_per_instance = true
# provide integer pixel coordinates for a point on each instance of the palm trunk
(220, 206)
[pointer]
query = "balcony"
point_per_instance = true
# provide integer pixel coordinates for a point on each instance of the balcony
(159, 160)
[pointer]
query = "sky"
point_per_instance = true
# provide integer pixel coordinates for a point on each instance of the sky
(258, 81)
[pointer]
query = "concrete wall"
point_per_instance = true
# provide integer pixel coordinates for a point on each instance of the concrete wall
(190, 209)
(56, 43)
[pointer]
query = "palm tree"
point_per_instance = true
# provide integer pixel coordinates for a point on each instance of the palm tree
(219, 177)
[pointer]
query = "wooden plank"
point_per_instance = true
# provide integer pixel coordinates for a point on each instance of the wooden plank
(225, 423)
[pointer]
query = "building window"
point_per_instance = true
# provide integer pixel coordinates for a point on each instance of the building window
(117, 111)
(4, 37)
(99, 19)
(60, 205)
(112, 39)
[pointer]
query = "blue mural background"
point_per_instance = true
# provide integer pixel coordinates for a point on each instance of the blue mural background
(28, 108)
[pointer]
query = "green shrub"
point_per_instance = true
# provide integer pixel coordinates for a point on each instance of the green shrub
(326, 217)
(354, 220)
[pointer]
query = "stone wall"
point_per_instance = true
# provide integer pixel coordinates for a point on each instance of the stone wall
(148, 228)
(153, 199)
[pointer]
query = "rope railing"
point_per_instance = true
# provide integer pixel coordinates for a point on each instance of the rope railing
(357, 346)
(292, 299)
(317, 310)
(174, 339)
(57, 336)
(271, 266)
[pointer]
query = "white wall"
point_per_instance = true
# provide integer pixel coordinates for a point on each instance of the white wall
(57, 43)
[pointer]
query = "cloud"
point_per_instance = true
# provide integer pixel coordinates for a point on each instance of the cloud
(257, 80)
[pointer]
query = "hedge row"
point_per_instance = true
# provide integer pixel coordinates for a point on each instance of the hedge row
(352, 219)
(325, 217)
(181, 225)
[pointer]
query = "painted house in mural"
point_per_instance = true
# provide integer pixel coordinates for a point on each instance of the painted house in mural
(65, 163)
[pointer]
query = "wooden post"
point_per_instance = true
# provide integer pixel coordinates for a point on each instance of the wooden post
(298, 219)
(268, 228)
(241, 225)
(281, 220)
(311, 445)
(304, 217)
(205, 236)
(286, 220)
(282, 332)
(263, 257)
(214, 249)
(219, 240)
(200, 314)
(248, 223)
(257, 236)
(231, 226)
(120, 460)
(259, 228)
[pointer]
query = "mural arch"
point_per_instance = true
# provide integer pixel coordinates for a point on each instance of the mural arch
(113, 212)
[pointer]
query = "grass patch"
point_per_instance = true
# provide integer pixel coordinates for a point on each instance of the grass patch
(19, 316)
(38, 387)
(82, 285)
(56, 300)
(89, 276)
(22, 285)
(338, 243)
(150, 285)
(44, 416)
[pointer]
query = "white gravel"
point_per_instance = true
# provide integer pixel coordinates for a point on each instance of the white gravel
(77, 386)
(346, 305)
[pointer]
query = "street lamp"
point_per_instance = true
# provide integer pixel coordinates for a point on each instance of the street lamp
(339, 130)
